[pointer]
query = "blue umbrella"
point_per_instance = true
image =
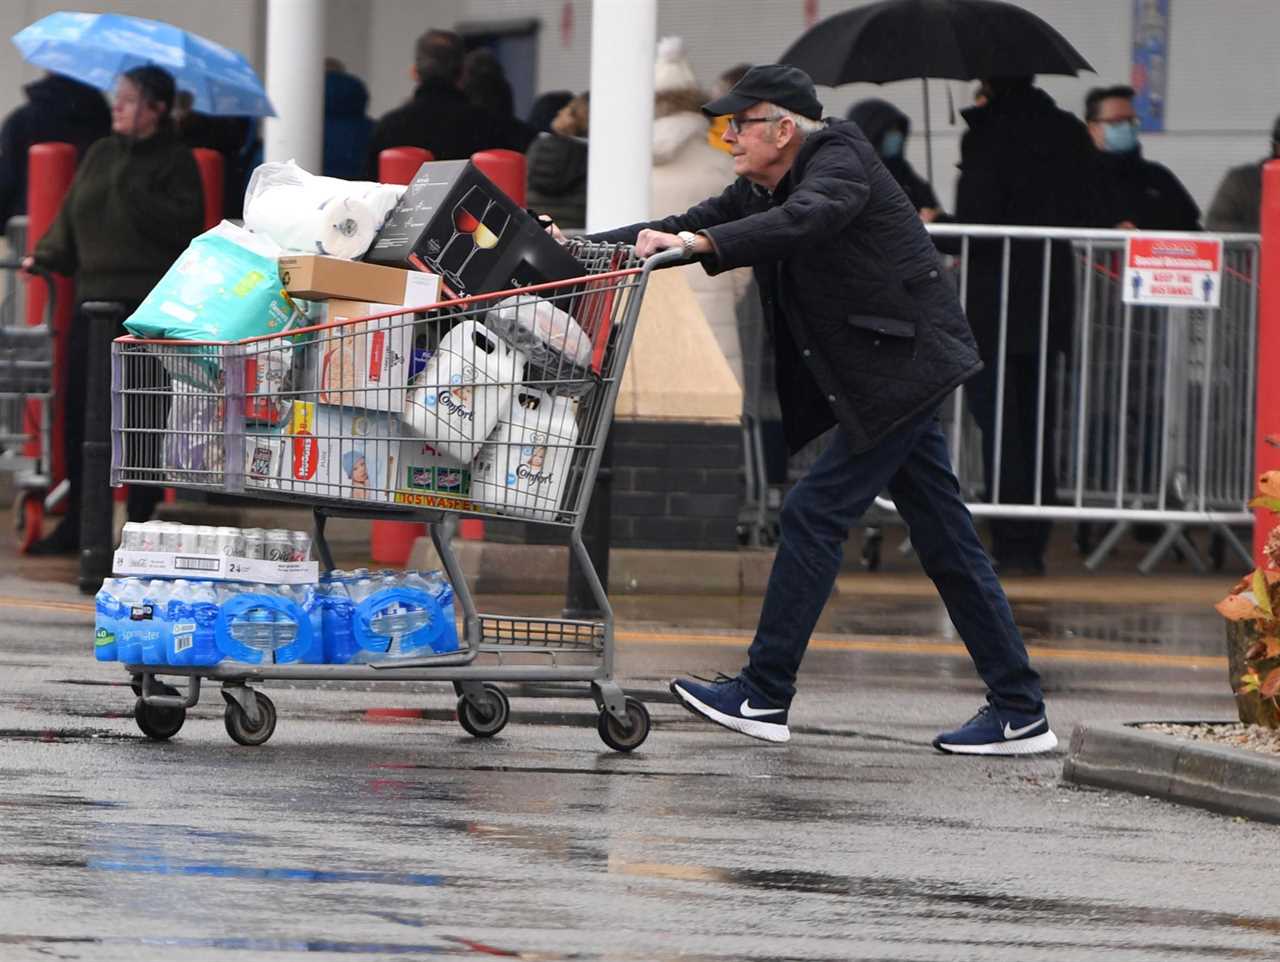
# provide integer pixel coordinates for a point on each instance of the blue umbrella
(95, 48)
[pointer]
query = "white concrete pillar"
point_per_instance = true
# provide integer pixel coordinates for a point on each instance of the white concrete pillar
(295, 82)
(623, 45)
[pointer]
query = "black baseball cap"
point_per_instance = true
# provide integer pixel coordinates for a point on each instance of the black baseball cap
(788, 87)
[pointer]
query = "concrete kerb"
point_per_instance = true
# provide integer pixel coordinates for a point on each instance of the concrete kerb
(1232, 781)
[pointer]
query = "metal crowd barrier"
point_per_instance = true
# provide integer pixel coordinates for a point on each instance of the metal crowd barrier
(1154, 417)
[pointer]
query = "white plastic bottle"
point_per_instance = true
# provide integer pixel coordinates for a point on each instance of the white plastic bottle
(523, 467)
(459, 398)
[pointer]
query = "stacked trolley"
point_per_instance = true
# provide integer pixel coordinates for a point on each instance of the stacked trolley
(26, 400)
(502, 414)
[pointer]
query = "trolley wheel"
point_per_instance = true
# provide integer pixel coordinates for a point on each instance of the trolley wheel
(158, 722)
(28, 519)
(239, 728)
(485, 714)
(628, 736)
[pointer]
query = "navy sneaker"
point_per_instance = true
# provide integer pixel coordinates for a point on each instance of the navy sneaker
(995, 731)
(733, 703)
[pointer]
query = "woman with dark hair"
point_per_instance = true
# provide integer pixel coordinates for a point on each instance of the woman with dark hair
(134, 205)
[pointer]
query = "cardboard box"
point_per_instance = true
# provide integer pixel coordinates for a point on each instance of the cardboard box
(457, 223)
(314, 276)
(165, 564)
(426, 478)
(360, 365)
(339, 453)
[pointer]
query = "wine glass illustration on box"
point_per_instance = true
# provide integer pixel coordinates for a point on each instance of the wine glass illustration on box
(478, 223)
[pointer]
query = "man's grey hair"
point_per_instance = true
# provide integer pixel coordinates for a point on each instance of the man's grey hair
(804, 125)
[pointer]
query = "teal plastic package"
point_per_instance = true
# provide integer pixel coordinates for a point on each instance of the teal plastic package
(224, 287)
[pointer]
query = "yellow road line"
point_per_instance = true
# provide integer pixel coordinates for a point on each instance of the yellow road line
(897, 645)
(80, 607)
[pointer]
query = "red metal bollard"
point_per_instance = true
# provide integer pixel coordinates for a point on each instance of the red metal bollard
(391, 541)
(50, 169)
(506, 168)
(397, 165)
(212, 168)
(1267, 446)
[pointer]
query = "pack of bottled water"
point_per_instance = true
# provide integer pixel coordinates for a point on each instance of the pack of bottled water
(348, 617)
(385, 615)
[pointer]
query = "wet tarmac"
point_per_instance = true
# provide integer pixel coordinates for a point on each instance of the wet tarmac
(371, 827)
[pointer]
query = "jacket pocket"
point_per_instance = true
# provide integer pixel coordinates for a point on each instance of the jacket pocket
(886, 326)
(881, 345)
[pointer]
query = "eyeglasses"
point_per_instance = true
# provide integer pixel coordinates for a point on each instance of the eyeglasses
(736, 125)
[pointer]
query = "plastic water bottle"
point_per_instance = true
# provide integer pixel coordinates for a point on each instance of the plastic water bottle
(129, 593)
(336, 612)
(153, 626)
(108, 611)
(180, 620)
(204, 612)
(442, 591)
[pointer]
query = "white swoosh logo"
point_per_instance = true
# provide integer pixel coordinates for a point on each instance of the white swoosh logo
(1018, 732)
(748, 712)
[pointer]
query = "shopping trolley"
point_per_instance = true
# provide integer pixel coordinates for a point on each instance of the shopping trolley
(26, 400)
(504, 418)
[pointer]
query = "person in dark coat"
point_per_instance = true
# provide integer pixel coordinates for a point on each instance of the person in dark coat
(556, 167)
(57, 109)
(1136, 192)
(1237, 203)
(132, 208)
(869, 336)
(888, 128)
(346, 125)
(438, 117)
(1023, 161)
(485, 83)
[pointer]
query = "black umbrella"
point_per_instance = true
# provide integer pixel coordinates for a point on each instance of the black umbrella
(951, 39)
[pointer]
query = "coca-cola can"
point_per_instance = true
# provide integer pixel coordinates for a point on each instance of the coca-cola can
(254, 543)
(188, 538)
(301, 542)
(132, 538)
(230, 542)
(170, 536)
(277, 545)
(150, 535)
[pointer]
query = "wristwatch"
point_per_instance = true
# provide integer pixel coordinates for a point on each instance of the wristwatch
(687, 239)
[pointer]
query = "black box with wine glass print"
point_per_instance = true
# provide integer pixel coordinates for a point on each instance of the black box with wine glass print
(455, 222)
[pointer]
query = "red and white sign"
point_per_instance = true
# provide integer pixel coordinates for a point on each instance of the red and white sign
(1173, 271)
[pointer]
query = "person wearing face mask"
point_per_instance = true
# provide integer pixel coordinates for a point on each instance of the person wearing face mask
(134, 205)
(887, 128)
(1137, 193)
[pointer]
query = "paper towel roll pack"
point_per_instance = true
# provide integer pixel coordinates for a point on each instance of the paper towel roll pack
(557, 348)
(317, 215)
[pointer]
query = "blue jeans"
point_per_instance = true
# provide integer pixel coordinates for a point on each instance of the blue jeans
(915, 466)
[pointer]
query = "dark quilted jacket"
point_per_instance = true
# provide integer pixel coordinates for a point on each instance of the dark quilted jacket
(870, 332)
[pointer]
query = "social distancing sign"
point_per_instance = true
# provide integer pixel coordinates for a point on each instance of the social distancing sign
(1170, 271)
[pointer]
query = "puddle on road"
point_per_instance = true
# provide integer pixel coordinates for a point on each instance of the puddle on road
(945, 900)
(159, 866)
